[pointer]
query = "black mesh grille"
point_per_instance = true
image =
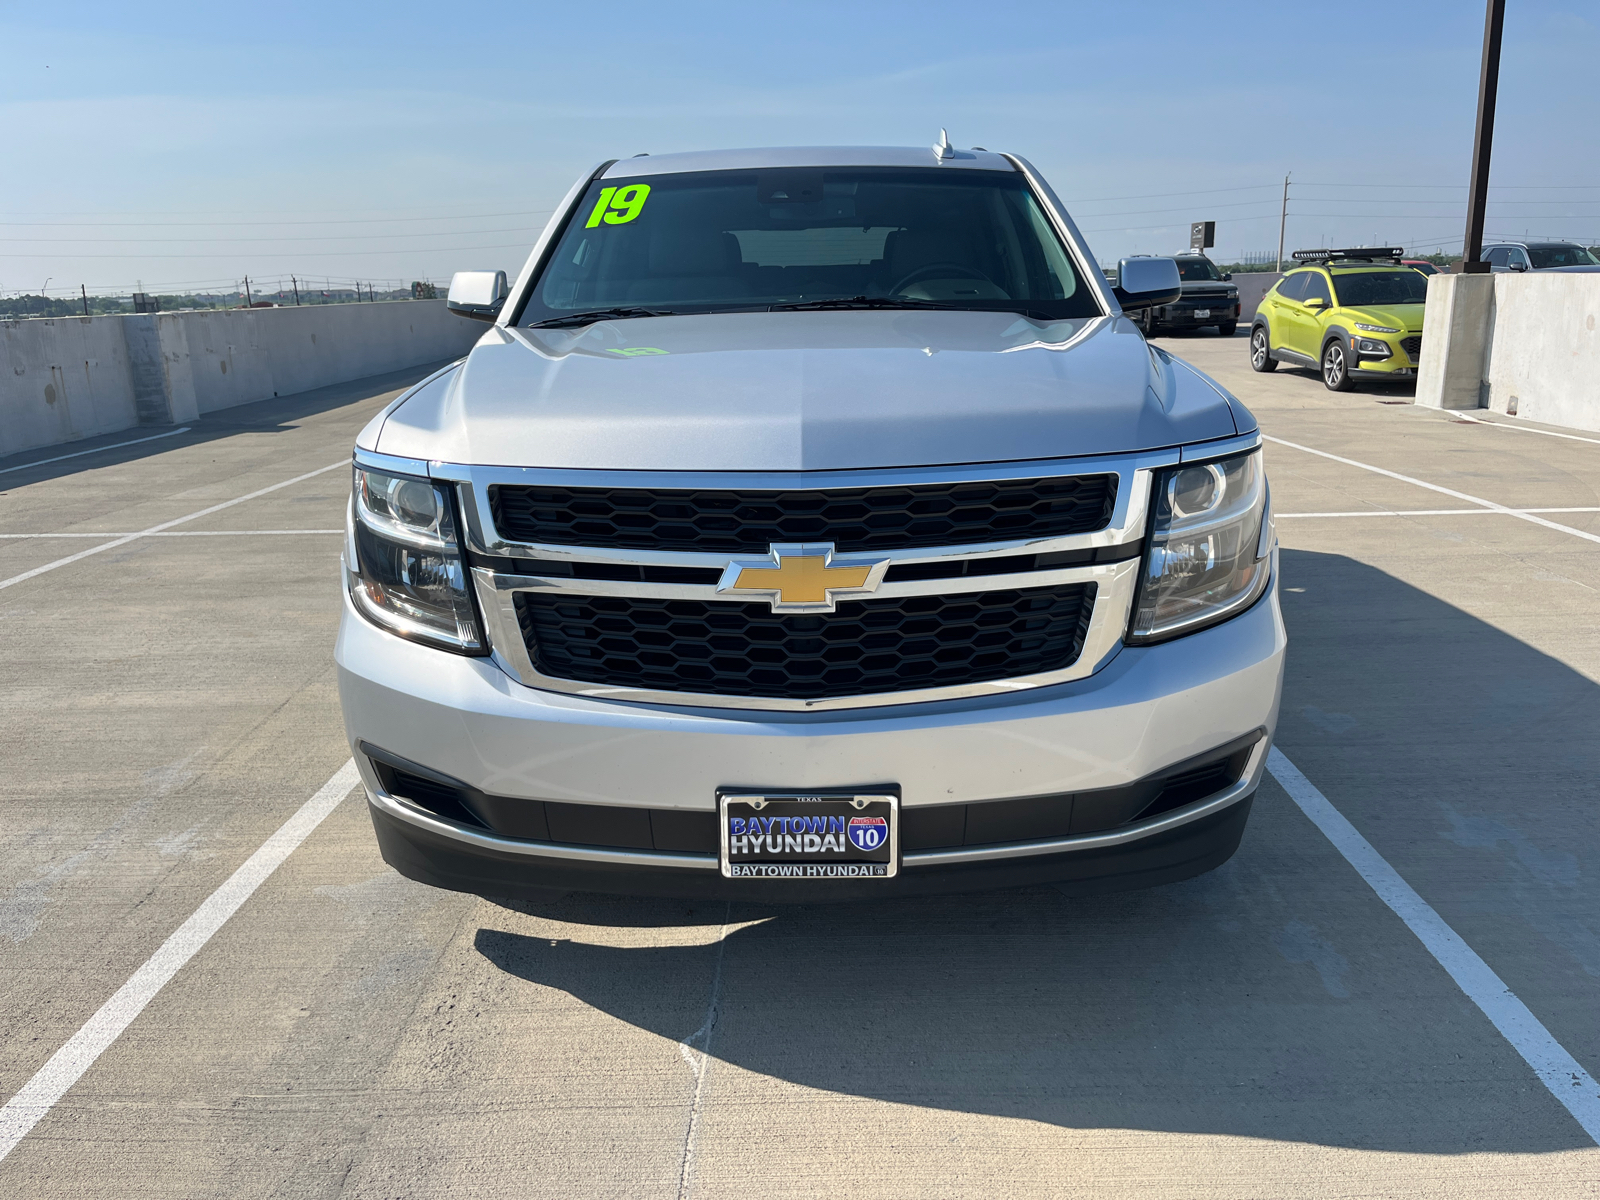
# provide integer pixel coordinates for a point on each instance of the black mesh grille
(866, 647)
(1413, 347)
(739, 522)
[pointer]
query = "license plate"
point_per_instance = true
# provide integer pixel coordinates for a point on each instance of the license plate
(1202, 312)
(792, 835)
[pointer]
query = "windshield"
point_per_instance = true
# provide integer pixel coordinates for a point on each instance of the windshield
(1359, 289)
(1545, 257)
(740, 240)
(1197, 270)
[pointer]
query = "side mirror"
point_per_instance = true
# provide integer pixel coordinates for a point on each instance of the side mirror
(1516, 264)
(1314, 302)
(1147, 283)
(1227, 275)
(477, 294)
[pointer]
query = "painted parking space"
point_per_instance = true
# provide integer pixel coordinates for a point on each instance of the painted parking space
(1268, 1029)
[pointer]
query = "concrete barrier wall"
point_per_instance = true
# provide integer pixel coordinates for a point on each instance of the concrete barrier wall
(1521, 344)
(1544, 350)
(76, 377)
(1253, 285)
(62, 380)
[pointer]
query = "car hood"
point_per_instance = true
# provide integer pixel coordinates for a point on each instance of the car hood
(804, 391)
(1405, 317)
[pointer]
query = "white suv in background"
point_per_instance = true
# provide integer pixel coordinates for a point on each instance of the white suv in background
(1539, 256)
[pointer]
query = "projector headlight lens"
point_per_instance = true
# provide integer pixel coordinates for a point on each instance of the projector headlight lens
(405, 570)
(1210, 545)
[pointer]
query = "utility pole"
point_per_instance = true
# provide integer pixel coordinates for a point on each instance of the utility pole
(296, 284)
(1482, 139)
(248, 303)
(1283, 219)
(84, 292)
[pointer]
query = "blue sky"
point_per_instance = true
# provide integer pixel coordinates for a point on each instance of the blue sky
(194, 143)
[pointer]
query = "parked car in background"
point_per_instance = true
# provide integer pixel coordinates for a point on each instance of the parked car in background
(1209, 298)
(1353, 314)
(1540, 256)
(1420, 264)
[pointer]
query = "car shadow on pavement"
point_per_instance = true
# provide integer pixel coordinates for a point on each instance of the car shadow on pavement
(1273, 998)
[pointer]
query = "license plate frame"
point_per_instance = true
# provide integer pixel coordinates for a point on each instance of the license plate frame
(1201, 313)
(852, 862)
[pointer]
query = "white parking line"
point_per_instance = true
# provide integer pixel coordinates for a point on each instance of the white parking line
(1428, 512)
(1571, 437)
(39, 462)
(184, 533)
(155, 529)
(1557, 1070)
(67, 1065)
(1520, 513)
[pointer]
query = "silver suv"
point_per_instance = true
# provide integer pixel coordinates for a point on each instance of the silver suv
(810, 524)
(1569, 257)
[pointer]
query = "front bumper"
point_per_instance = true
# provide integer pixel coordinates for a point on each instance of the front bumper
(1147, 709)
(1185, 314)
(1399, 363)
(1396, 366)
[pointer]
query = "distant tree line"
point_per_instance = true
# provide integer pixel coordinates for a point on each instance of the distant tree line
(14, 307)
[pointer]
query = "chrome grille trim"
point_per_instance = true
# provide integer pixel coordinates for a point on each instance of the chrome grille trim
(1126, 524)
(1116, 581)
(1113, 600)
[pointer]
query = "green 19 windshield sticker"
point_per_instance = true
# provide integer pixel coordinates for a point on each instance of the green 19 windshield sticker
(618, 206)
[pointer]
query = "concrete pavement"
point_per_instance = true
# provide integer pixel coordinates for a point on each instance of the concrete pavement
(1270, 1029)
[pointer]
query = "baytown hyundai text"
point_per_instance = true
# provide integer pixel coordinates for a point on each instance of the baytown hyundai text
(810, 524)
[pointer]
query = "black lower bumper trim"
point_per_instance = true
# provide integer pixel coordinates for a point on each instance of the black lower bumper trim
(1165, 857)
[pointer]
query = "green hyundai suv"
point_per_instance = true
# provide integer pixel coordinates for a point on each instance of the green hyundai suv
(1353, 314)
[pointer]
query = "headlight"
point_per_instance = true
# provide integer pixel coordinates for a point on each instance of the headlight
(406, 572)
(1375, 328)
(1210, 541)
(1374, 346)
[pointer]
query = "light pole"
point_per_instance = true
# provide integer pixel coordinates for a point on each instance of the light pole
(1483, 139)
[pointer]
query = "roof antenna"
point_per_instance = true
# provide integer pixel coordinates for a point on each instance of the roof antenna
(942, 147)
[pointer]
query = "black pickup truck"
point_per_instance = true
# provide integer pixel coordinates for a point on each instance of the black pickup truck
(1208, 299)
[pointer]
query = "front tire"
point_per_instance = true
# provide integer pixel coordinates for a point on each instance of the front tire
(1260, 352)
(1335, 367)
(1149, 323)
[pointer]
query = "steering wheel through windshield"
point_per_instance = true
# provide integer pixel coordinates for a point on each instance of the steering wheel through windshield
(946, 269)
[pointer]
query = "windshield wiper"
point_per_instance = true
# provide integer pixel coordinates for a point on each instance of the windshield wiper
(860, 302)
(599, 314)
(896, 302)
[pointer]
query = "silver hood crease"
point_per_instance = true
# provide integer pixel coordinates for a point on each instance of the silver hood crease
(807, 391)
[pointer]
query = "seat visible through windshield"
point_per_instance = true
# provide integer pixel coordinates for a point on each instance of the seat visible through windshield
(1546, 257)
(1381, 287)
(754, 239)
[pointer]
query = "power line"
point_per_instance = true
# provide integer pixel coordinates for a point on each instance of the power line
(1162, 195)
(337, 237)
(1461, 187)
(279, 254)
(1139, 212)
(536, 212)
(1166, 225)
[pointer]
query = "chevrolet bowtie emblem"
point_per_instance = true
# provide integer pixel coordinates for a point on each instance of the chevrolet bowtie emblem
(804, 578)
